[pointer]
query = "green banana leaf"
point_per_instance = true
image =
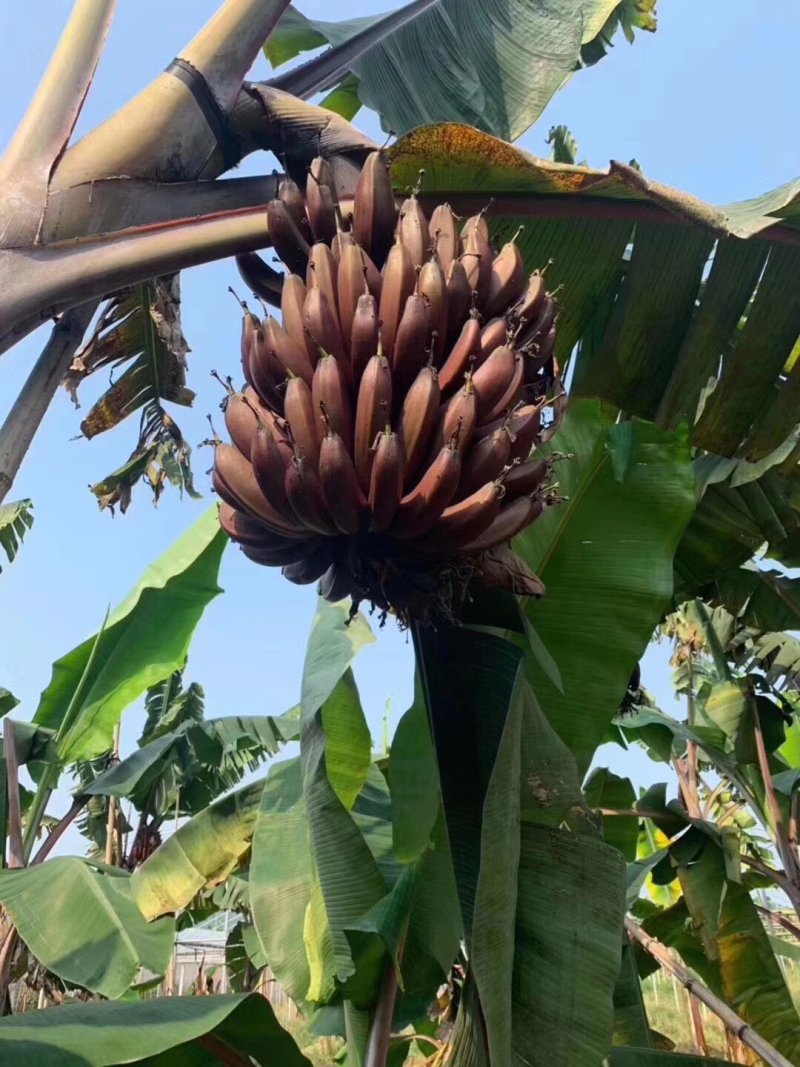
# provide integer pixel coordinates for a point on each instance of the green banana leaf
(414, 781)
(630, 1016)
(244, 957)
(606, 558)
(84, 925)
(473, 683)
(493, 65)
(350, 879)
(604, 789)
(15, 521)
(200, 760)
(281, 876)
(651, 329)
(762, 600)
(202, 852)
(734, 938)
(348, 749)
(335, 641)
(730, 525)
(160, 1032)
(7, 701)
(144, 640)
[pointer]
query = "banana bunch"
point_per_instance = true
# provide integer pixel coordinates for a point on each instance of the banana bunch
(385, 442)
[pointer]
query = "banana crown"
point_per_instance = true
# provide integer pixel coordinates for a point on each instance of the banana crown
(385, 443)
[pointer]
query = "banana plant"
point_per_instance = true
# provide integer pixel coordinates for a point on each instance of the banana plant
(159, 202)
(730, 833)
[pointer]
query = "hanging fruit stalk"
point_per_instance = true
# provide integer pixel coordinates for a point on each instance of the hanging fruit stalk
(387, 443)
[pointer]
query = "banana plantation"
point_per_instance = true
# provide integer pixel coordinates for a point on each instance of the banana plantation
(531, 414)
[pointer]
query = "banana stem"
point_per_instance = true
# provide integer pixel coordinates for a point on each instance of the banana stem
(58, 831)
(30, 407)
(381, 1025)
(42, 282)
(36, 813)
(16, 852)
(46, 127)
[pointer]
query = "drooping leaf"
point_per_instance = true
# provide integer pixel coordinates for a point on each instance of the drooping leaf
(630, 1016)
(349, 876)
(162, 1031)
(348, 749)
(437, 67)
(139, 327)
(281, 875)
(84, 925)
(334, 642)
(414, 782)
(763, 600)
(144, 640)
(15, 521)
(201, 852)
(629, 16)
(729, 525)
(161, 455)
(611, 543)
(470, 678)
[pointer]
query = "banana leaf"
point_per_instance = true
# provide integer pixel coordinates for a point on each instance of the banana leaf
(139, 329)
(204, 851)
(193, 765)
(604, 789)
(143, 641)
(473, 683)
(493, 65)
(606, 558)
(15, 521)
(414, 780)
(334, 642)
(84, 925)
(734, 940)
(160, 1032)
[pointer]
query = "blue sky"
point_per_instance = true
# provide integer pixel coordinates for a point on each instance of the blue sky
(708, 104)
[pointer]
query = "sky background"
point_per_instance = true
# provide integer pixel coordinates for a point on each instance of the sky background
(708, 104)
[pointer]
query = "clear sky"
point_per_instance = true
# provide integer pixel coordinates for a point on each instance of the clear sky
(708, 104)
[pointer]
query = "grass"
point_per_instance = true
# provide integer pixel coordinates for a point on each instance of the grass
(668, 1011)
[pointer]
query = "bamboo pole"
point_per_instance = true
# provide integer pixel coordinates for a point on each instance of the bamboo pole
(738, 1027)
